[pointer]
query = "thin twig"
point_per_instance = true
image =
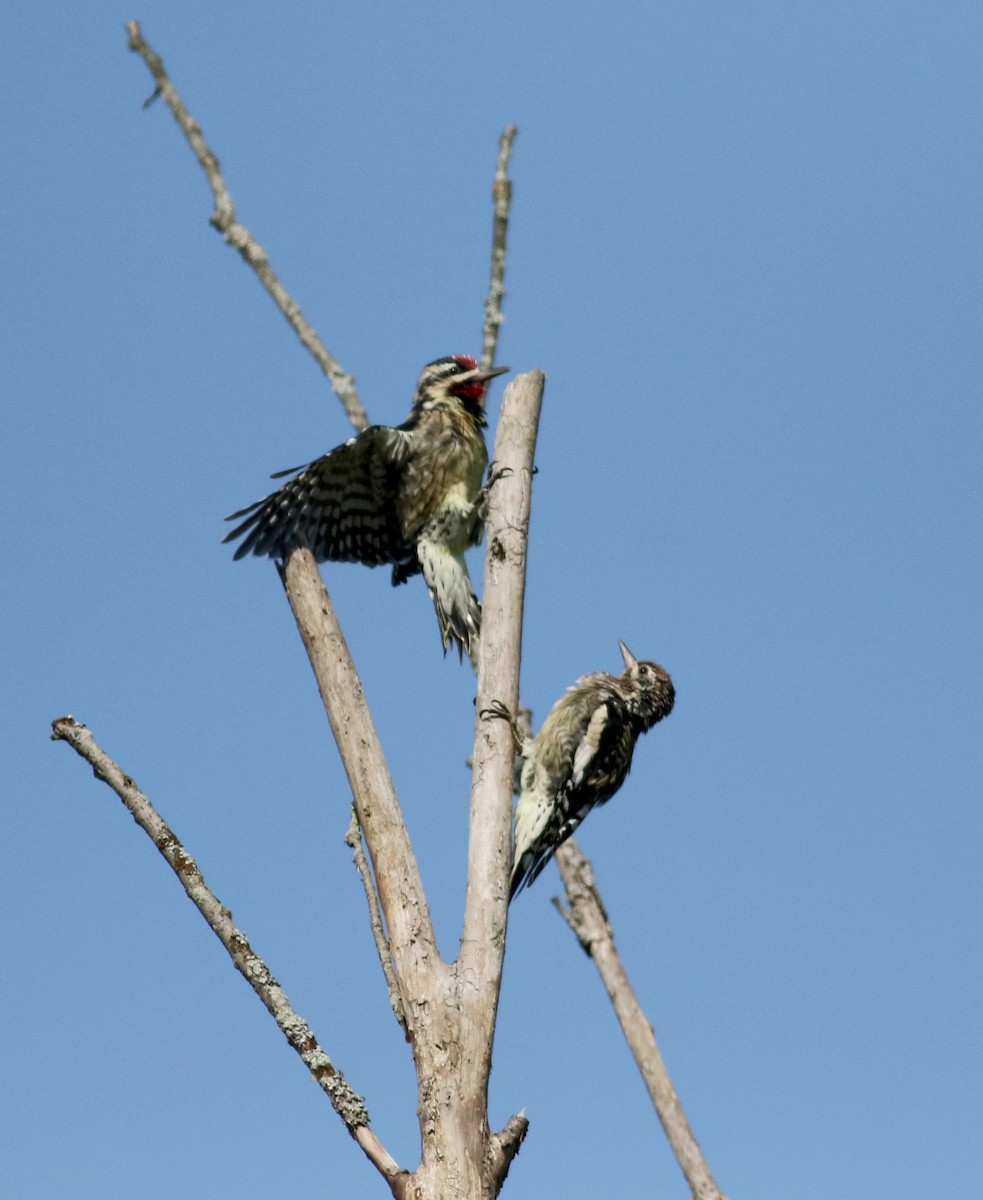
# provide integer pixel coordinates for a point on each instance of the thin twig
(502, 199)
(239, 237)
(349, 1106)
(588, 919)
(354, 839)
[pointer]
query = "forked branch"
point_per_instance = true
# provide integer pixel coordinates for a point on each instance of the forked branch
(444, 1004)
(464, 994)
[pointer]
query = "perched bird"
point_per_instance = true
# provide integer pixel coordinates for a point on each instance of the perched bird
(408, 496)
(581, 755)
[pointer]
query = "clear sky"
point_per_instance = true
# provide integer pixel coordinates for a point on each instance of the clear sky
(746, 251)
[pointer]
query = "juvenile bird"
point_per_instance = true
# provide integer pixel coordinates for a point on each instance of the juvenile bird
(581, 755)
(408, 495)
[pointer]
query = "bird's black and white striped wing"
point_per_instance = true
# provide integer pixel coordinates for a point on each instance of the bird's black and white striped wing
(590, 781)
(549, 814)
(343, 505)
(585, 755)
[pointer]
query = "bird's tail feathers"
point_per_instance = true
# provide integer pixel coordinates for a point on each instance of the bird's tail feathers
(457, 606)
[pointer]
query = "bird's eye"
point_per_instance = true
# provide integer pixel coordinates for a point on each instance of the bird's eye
(643, 669)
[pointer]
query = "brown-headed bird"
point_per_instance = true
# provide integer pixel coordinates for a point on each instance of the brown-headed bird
(581, 755)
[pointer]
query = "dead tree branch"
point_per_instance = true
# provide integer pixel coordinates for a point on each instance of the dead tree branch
(239, 237)
(588, 919)
(498, 666)
(354, 839)
(349, 1106)
(404, 905)
(479, 965)
(447, 1010)
(502, 200)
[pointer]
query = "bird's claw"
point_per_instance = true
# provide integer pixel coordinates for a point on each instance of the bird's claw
(497, 711)
(495, 473)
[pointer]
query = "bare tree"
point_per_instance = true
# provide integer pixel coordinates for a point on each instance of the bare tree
(447, 1009)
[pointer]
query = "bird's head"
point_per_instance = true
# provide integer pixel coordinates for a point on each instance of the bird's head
(458, 376)
(649, 688)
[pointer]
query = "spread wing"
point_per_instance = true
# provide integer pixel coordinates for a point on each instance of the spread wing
(344, 505)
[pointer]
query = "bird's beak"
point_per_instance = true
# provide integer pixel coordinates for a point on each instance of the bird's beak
(626, 654)
(490, 373)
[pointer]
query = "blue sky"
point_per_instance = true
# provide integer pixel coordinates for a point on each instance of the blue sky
(746, 251)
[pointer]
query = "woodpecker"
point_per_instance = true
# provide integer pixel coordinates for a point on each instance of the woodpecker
(581, 756)
(408, 495)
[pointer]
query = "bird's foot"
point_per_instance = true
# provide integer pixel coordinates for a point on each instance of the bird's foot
(495, 473)
(497, 711)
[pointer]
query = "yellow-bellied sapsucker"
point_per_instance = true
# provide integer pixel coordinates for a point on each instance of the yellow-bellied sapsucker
(581, 755)
(408, 496)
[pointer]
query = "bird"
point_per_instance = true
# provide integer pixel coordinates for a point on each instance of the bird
(409, 496)
(581, 756)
